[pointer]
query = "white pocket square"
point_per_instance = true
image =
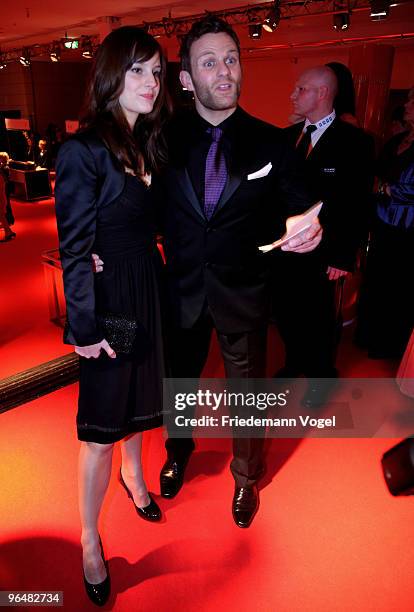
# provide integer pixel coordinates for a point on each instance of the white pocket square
(260, 173)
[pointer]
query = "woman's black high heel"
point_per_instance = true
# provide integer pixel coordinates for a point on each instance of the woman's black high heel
(151, 512)
(99, 593)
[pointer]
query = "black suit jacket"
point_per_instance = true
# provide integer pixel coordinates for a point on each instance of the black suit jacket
(219, 260)
(87, 178)
(339, 171)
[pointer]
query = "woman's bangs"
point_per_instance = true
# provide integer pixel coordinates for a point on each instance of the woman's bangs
(144, 51)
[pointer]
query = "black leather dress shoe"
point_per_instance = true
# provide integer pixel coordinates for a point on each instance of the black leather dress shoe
(151, 512)
(99, 593)
(172, 475)
(318, 393)
(245, 505)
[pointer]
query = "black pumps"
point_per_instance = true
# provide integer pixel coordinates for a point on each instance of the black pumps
(99, 593)
(151, 512)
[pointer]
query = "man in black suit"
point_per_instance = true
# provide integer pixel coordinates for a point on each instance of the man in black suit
(338, 161)
(229, 187)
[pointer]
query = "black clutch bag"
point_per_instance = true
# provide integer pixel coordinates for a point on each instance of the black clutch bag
(124, 334)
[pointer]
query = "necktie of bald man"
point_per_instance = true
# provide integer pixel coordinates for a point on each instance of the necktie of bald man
(304, 143)
(215, 174)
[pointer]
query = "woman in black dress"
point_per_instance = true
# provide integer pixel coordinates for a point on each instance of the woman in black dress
(104, 203)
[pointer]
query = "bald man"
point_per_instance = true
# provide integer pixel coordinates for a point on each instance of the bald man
(338, 160)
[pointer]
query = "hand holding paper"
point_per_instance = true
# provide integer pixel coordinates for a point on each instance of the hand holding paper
(294, 226)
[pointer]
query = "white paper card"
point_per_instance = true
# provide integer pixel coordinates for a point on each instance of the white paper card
(294, 226)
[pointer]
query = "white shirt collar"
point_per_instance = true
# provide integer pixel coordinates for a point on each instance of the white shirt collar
(321, 126)
(322, 123)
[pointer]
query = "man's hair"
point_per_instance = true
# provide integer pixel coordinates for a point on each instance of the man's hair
(207, 25)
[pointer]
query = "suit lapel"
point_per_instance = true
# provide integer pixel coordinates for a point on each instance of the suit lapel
(232, 183)
(237, 168)
(187, 187)
(323, 140)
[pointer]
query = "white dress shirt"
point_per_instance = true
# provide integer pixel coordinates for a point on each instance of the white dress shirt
(321, 126)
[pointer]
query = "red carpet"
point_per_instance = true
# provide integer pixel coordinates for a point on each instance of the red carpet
(328, 535)
(27, 337)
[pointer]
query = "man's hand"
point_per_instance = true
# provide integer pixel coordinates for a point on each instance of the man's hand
(307, 241)
(97, 263)
(335, 273)
(94, 350)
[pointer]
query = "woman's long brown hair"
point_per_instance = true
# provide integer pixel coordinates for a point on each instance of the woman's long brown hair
(143, 149)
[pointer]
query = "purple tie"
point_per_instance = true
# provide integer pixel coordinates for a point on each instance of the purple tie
(216, 173)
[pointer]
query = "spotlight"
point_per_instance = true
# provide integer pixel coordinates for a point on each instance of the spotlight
(273, 18)
(341, 21)
(87, 50)
(169, 26)
(2, 62)
(55, 53)
(379, 9)
(255, 30)
(24, 59)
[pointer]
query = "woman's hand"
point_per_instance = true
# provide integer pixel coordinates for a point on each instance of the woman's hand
(97, 263)
(94, 350)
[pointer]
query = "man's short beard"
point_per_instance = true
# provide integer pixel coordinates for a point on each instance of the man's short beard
(208, 100)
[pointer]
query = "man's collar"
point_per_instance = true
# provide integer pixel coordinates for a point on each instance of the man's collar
(322, 123)
(225, 125)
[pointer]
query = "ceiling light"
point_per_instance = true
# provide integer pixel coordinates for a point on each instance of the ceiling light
(273, 18)
(340, 21)
(379, 9)
(24, 59)
(255, 30)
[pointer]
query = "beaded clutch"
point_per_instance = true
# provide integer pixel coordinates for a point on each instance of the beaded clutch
(123, 334)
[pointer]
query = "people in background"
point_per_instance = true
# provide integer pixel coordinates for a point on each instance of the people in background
(42, 155)
(337, 160)
(54, 138)
(6, 214)
(398, 124)
(344, 102)
(389, 314)
(30, 146)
